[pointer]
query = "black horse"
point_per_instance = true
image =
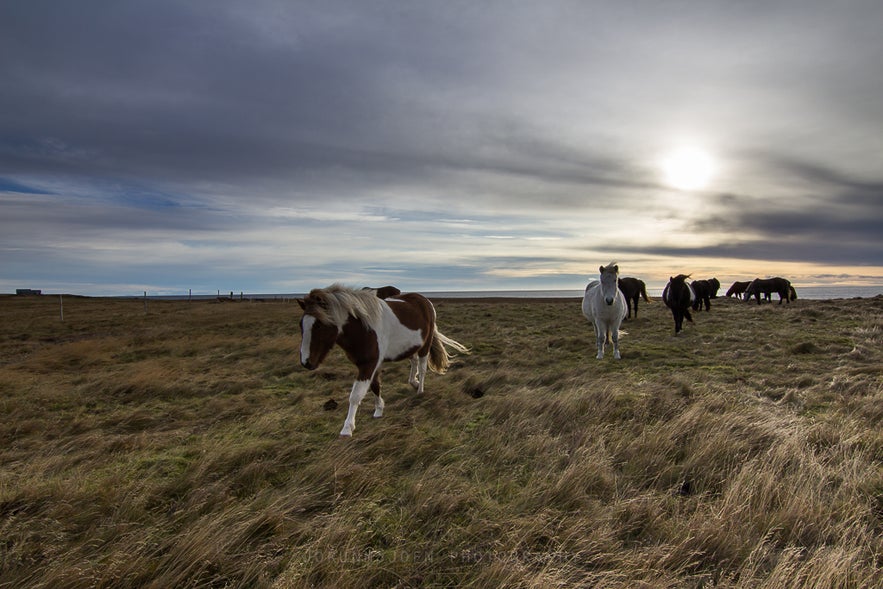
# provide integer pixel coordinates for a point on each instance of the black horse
(679, 297)
(633, 289)
(702, 290)
(385, 292)
(767, 286)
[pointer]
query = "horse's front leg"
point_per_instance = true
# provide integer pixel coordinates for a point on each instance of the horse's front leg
(614, 333)
(601, 340)
(360, 389)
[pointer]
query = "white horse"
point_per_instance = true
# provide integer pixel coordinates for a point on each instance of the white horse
(605, 306)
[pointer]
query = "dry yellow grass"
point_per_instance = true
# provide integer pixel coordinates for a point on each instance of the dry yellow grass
(185, 447)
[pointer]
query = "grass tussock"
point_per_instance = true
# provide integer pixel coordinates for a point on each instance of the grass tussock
(182, 446)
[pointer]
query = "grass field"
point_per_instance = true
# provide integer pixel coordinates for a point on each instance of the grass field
(184, 446)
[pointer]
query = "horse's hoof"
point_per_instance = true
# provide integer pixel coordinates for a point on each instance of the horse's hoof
(345, 437)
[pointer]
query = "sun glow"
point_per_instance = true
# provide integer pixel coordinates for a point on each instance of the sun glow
(688, 168)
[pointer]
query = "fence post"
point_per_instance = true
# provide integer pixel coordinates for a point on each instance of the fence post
(61, 306)
(145, 302)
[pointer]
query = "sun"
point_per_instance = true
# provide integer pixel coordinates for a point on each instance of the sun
(688, 168)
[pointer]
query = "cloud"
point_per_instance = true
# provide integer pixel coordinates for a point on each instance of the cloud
(220, 135)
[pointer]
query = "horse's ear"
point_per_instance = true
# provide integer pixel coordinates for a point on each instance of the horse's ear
(616, 269)
(601, 269)
(301, 303)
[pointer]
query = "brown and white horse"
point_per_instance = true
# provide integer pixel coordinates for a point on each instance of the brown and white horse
(371, 330)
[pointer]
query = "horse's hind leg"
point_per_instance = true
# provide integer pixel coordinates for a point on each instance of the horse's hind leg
(412, 376)
(422, 363)
(378, 400)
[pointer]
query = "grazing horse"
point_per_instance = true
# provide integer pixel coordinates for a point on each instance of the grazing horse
(702, 289)
(679, 297)
(371, 330)
(633, 289)
(605, 306)
(767, 286)
(738, 289)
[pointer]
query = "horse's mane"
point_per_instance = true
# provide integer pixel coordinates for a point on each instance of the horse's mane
(680, 277)
(611, 267)
(336, 303)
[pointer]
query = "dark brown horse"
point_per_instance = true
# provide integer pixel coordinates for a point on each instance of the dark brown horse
(705, 290)
(633, 289)
(371, 330)
(385, 292)
(767, 286)
(679, 297)
(738, 289)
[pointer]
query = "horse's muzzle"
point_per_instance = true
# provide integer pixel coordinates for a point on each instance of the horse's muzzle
(609, 300)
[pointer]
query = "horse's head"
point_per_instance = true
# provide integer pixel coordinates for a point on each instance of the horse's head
(751, 290)
(318, 333)
(609, 282)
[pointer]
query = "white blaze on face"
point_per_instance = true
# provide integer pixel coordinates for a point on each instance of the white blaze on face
(308, 322)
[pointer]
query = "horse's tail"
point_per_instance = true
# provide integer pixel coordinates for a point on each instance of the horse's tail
(620, 333)
(439, 359)
(644, 292)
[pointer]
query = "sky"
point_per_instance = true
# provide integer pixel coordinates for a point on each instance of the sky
(274, 146)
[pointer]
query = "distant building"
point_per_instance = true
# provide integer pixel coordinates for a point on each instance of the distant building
(28, 291)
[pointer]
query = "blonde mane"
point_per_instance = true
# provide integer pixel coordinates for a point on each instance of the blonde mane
(610, 267)
(336, 303)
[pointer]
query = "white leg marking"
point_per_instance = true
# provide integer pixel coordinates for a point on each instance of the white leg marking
(412, 377)
(378, 406)
(421, 372)
(360, 389)
(615, 336)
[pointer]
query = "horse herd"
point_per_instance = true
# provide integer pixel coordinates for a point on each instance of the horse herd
(377, 325)
(606, 309)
